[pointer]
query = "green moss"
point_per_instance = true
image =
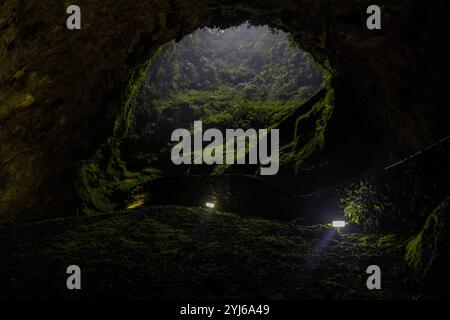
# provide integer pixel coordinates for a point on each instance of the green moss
(309, 134)
(364, 205)
(414, 251)
(103, 181)
(386, 240)
(124, 115)
(185, 252)
(417, 256)
(354, 212)
(92, 188)
(104, 189)
(152, 172)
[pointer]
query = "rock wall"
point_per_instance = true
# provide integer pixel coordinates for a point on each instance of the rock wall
(63, 93)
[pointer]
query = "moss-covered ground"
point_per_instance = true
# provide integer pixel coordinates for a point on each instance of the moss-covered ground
(175, 252)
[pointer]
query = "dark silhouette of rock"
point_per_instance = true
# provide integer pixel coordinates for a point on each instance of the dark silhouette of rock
(428, 253)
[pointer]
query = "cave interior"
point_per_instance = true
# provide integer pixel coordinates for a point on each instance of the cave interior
(85, 173)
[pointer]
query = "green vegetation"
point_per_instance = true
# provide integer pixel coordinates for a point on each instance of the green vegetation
(221, 108)
(103, 181)
(259, 63)
(418, 256)
(242, 77)
(364, 205)
(175, 252)
(309, 129)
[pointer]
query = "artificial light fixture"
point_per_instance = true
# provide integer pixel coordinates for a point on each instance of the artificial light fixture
(338, 224)
(210, 205)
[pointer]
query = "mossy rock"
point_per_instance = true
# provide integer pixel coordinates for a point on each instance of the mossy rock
(428, 253)
(179, 252)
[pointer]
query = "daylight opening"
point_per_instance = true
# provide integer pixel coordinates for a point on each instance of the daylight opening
(241, 77)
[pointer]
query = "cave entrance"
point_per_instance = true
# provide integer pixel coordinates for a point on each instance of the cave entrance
(239, 77)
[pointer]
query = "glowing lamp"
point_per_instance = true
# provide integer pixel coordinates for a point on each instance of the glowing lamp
(338, 224)
(210, 205)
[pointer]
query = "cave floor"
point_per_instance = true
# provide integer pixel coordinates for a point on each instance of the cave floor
(175, 252)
